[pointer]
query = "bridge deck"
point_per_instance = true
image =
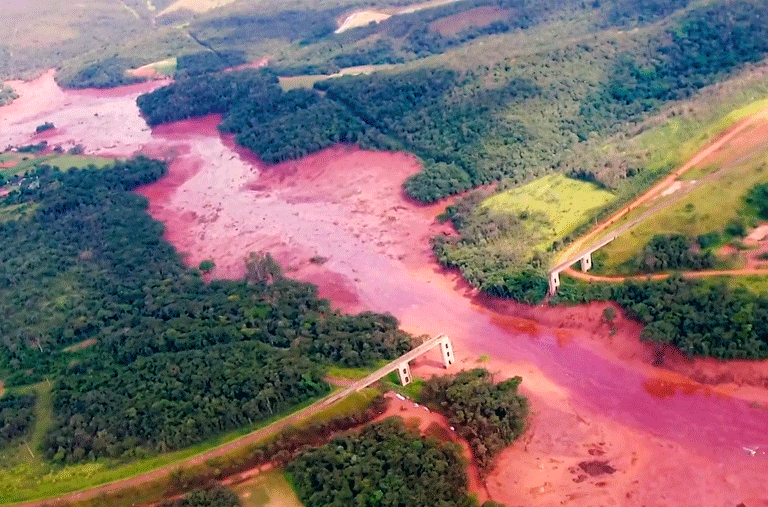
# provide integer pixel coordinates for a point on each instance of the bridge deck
(385, 370)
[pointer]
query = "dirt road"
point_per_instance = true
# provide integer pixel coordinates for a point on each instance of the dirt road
(663, 184)
(661, 276)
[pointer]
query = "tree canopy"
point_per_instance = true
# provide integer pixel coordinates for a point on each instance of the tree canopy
(488, 416)
(382, 465)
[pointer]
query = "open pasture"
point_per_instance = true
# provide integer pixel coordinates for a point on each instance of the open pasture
(552, 205)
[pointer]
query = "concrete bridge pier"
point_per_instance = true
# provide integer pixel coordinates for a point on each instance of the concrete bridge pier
(554, 282)
(404, 373)
(446, 349)
(586, 262)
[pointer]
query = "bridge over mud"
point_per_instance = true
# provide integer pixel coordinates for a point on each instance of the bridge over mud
(401, 365)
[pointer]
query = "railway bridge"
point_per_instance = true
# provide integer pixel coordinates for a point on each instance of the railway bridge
(401, 365)
(584, 257)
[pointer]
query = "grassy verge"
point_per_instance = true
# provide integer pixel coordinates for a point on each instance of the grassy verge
(552, 206)
(65, 161)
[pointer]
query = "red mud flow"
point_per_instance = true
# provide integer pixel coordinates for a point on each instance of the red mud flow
(338, 219)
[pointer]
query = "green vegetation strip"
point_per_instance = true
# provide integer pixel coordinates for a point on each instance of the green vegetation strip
(25, 480)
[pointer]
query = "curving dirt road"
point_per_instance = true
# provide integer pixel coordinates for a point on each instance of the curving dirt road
(661, 276)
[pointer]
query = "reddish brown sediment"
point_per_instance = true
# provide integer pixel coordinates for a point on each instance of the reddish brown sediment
(338, 219)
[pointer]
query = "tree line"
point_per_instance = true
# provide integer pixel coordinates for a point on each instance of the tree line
(215, 496)
(665, 252)
(699, 318)
(17, 414)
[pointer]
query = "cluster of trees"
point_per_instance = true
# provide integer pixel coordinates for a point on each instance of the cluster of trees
(488, 416)
(757, 198)
(699, 318)
(640, 12)
(241, 28)
(216, 496)
(207, 62)
(44, 126)
(485, 254)
(17, 413)
(666, 252)
(383, 464)
(86, 264)
(7, 94)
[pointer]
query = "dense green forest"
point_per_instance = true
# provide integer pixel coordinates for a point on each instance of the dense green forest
(85, 265)
(665, 252)
(705, 319)
(276, 125)
(488, 416)
(757, 199)
(168, 401)
(384, 464)
(703, 47)
(217, 496)
(17, 413)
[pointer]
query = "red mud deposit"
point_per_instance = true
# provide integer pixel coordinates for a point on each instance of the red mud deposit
(595, 394)
(104, 122)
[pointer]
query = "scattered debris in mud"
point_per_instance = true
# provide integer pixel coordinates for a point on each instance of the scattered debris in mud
(595, 468)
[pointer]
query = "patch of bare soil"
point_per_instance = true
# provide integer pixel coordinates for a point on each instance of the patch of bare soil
(362, 18)
(478, 17)
(104, 122)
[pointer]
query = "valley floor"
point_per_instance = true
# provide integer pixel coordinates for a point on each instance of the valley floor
(338, 219)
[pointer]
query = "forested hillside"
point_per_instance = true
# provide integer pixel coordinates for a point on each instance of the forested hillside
(85, 265)
(510, 119)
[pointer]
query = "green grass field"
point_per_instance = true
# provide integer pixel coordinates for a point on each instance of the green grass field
(554, 205)
(268, 489)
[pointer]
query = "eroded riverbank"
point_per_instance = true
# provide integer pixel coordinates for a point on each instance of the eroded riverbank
(338, 219)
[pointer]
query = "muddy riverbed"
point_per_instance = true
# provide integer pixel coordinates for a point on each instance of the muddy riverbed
(338, 219)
